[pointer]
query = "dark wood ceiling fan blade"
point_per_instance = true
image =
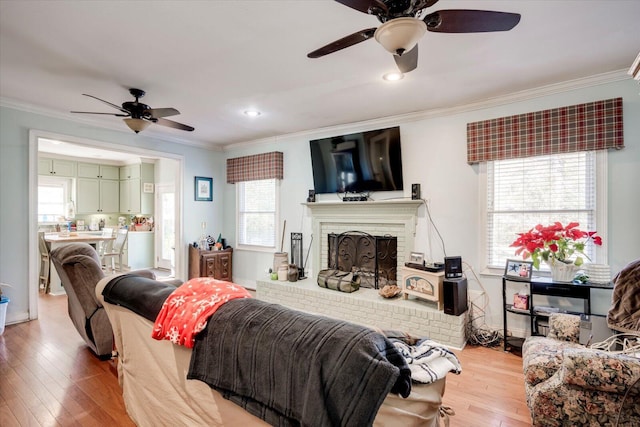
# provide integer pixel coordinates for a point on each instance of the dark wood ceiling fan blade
(108, 103)
(108, 114)
(172, 124)
(156, 113)
(366, 6)
(408, 61)
(470, 21)
(344, 42)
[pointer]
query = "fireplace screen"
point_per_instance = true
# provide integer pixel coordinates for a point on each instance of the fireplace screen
(374, 258)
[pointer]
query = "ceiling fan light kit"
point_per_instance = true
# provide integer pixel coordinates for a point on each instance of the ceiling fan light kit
(137, 125)
(400, 35)
(404, 22)
(139, 116)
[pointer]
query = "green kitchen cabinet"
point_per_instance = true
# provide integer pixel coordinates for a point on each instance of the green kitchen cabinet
(98, 196)
(56, 167)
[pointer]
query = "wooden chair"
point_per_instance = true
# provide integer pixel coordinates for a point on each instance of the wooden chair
(115, 250)
(45, 275)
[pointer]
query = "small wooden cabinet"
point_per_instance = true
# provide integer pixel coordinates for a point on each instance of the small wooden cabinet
(422, 284)
(216, 264)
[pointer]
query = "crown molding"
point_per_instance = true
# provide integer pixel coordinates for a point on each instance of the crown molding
(520, 96)
(48, 112)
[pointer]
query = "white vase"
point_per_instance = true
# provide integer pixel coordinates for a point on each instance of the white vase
(561, 272)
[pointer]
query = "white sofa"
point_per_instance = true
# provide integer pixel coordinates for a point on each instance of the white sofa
(153, 376)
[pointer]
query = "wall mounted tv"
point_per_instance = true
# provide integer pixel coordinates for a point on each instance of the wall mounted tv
(358, 162)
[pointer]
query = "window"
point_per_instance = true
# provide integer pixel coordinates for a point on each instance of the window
(53, 194)
(257, 203)
(521, 193)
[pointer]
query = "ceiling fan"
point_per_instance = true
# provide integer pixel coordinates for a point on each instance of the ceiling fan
(404, 22)
(138, 115)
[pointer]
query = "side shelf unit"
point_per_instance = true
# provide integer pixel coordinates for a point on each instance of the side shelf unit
(543, 286)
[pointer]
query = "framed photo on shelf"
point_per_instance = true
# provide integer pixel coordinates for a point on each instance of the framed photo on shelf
(203, 189)
(416, 257)
(517, 269)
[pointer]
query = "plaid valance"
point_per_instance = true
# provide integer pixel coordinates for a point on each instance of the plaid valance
(255, 167)
(584, 127)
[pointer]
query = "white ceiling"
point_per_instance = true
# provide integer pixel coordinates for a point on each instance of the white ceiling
(214, 59)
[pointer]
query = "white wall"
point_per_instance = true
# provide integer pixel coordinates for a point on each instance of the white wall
(434, 155)
(15, 247)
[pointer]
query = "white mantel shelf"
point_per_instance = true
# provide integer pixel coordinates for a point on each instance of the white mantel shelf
(386, 217)
(321, 207)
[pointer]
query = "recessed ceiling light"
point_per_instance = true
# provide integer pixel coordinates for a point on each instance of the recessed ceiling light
(252, 113)
(393, 77)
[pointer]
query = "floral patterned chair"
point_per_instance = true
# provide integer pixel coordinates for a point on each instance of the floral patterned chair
(568, 384)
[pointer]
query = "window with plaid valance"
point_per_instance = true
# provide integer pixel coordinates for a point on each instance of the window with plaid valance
(583, 127)
(255, 167)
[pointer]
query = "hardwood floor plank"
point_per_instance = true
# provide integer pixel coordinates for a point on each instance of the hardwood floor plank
(7, 417)
(48, 377)
(22, 414)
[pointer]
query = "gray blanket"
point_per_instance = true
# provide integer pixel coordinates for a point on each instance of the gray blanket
(291, 368)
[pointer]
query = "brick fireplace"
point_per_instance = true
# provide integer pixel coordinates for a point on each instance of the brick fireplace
(389, 218)
(365, 306)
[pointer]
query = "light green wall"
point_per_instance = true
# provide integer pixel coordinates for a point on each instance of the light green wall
(14, 199)
(434, 155)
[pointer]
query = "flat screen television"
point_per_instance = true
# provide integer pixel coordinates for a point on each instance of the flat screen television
(357, 163)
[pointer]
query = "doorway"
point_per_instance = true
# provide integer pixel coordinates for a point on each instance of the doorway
(165, 228)
(80, 149)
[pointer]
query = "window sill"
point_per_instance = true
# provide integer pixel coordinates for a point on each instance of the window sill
(250, 248)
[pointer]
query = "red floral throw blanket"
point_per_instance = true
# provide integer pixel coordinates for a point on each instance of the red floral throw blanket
(187, 310)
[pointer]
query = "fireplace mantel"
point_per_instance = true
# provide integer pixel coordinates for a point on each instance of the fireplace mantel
(319, 208)
(389, 217)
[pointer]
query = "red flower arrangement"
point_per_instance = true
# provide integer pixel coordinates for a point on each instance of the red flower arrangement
(555, 242)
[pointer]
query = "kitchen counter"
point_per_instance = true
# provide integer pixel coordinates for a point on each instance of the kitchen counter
(55, 240)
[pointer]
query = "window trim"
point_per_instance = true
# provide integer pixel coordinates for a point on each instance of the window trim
(601, 174)
(277, 231)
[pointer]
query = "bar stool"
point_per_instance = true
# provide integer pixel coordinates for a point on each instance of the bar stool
(116, 250)
(45, 275)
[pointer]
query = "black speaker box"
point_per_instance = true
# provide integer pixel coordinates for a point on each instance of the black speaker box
(312, 196)
(415, 191)
(454, 292)
(452, 267)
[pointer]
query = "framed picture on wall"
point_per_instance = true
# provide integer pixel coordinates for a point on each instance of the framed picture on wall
(517, 269)
(203, 189)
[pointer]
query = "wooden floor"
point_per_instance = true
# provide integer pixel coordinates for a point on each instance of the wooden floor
(49, 378)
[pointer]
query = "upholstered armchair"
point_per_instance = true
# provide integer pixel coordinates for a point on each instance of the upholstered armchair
(568, 384)
(79, 268)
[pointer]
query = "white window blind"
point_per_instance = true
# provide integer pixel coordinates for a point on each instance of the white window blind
(53, 194)
(257, 213)
(522, 193)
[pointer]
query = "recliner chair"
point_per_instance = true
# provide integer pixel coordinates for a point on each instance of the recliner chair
(79, 268)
